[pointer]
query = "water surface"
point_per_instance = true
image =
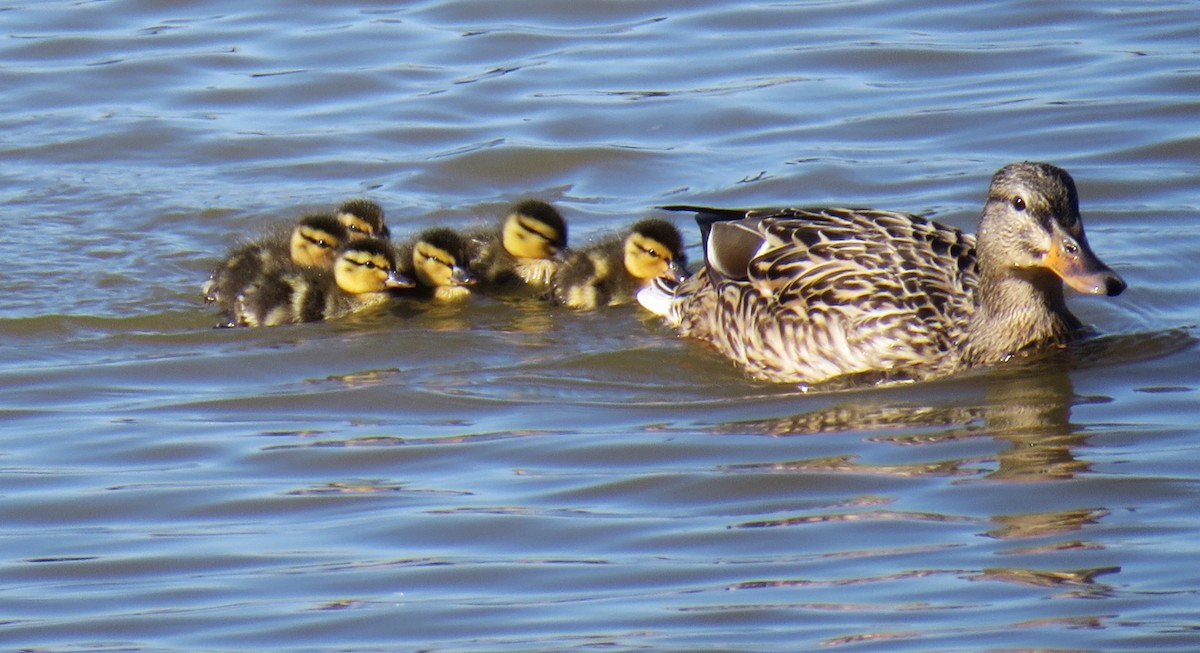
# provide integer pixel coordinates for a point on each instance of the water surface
(508, 477)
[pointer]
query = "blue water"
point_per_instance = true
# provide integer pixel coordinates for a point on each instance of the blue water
(501, 477)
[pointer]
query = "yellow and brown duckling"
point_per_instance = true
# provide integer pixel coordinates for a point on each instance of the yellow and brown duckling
(611, 271)
(314, 241)
(810, 295)
(436, 259)
(523, 251)
(362, 276)
(363, 219)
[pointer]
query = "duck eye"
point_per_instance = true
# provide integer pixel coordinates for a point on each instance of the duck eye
(1018, 203)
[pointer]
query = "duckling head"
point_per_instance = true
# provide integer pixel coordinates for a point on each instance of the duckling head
(363, 219)
(654, 248)
(316, 240)
(367, 266)
(534, 229)
(439, 259)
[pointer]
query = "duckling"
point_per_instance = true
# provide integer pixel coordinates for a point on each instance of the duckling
(611, 271)
(314, 241)
(809, 296)
(361, 277)
(436, 260)
(363, 219)
(523, 251)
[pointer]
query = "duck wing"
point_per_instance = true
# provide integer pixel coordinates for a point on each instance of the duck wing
(831, 291)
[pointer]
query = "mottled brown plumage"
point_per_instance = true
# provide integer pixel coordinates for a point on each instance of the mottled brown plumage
(809, 295)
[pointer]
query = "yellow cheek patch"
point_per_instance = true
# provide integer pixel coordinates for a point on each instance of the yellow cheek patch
(646, 258)
(357, 227)
(313, 247)
(434, 266)
(524, 238)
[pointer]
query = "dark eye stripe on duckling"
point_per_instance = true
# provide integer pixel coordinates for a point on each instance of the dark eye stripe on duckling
(368, 263)
(539, 229)
(436, 255)
(319, 239)
(653, 251)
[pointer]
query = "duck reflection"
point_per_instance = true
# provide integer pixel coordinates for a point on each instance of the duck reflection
(1029, 409)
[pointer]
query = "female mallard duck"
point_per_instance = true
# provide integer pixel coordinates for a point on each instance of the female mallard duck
(363, 219)
(523, 250)
(361, 277)
(314, 241)
(807, 295)
(611, 271)
(436, 260)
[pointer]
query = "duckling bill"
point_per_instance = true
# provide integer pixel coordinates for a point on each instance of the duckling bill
(611, 271)
(809, 295)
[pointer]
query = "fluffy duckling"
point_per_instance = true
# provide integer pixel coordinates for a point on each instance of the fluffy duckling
(363, 219)
(523, 251)
(436, 260)
(361, 277)
(611, 271)
(314, 241)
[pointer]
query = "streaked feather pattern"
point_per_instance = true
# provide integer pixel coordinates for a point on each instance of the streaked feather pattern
(808, 295)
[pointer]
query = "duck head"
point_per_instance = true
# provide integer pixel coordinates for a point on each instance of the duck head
(363, 219)
(367, 266)
(1031, 225)
(654, 248)
(534, 229)
(439, 258)
(316, 240)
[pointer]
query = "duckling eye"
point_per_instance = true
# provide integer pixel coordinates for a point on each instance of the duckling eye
(316, 241)
(1018, 203)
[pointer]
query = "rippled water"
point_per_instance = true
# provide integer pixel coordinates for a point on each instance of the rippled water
(513, 477)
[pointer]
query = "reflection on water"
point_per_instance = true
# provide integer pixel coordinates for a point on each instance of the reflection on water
(1026, 404)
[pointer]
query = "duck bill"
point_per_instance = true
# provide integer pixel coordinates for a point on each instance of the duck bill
(396, 280)
(1075, 263)
(461, 276)
(675, 272)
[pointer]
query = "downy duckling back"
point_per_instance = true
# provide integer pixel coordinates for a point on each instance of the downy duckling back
(361, 277)
(611, 271)
(314, 241)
